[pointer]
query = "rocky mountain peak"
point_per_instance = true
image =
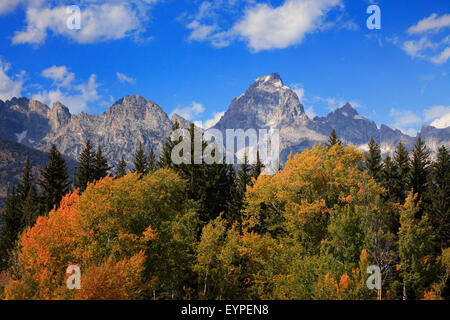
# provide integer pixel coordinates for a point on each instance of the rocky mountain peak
(267, 103)
(60, 115)
(347, 111)
(272, 79)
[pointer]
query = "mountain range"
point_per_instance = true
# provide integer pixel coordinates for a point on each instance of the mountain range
(132, 120)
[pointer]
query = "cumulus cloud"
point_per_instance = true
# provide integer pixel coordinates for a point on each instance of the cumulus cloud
(440, 116)
(265, 27)
(7, 6)
(191, 111)
(100, 21)
(442, 122)
(262, 26)
(60, 75)
(124, 78)
(75, 96)
(10, 85)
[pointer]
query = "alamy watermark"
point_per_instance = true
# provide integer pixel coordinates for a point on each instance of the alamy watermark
(374, 21)
(73, 22)
(73, 281)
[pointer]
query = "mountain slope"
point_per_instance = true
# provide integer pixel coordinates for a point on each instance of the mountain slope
(267, 103)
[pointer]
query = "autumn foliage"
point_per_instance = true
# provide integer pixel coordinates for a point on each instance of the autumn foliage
(308, 232)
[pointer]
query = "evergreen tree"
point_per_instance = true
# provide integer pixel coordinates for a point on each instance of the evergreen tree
(55, 180)
(27, 181)
(165, 161)
(439, 196)
(101, 166)
(243, 179)
(389, 176)
(258, 167)
(11, 217)
(403, 169)
(152, 163)
(121, 169)
(333, 139)
(85, 172)
(420, 165)
(373, 160)
(140, 161)
(30, 209)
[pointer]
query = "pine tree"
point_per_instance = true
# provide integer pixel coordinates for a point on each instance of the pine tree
(101, 166)
(439, 196)
(85, 172)
(55, 180)
(402, 177)
(152, 163)
(11, 217)
(243, 179)
(165, 161)
(121, 169)
(420, 165)
(333, 139)
(258, 167)
(373, 160)
(27, 181)
(30, 209)
(140, 161)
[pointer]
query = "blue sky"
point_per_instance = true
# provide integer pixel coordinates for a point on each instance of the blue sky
(193, 57)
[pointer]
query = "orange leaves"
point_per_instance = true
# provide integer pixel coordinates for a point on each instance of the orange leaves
(113, 280)
(111, 219)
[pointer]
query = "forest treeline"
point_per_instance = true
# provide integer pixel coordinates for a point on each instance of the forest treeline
(215, 232)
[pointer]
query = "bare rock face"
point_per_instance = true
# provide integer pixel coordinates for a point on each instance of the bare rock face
(25, 121)
(266, 104)
(130, 121)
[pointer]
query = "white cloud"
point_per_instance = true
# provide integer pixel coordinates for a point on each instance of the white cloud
(60, 75)
(191, 111)
(432, 45)
(212, 122)
(265, 27)
(442, 57)
(76, 97)
(10, 86)
(200, 32)
(440, 116)
(124, 78)
(436, 112)
(442, 122)
(262, 26)
(404, 120)
(431, 23)
(100, 21)
(7, 6)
